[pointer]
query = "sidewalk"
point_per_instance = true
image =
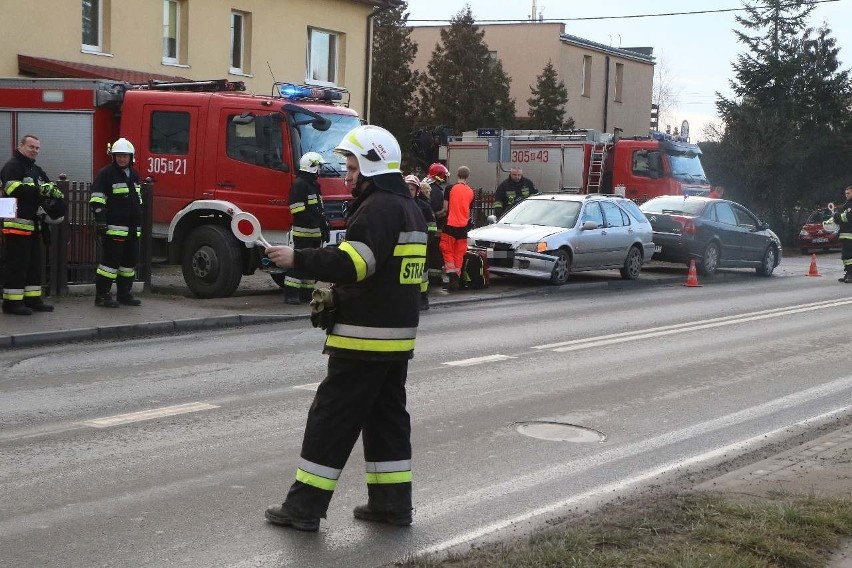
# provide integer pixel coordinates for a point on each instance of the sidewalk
(170, 308)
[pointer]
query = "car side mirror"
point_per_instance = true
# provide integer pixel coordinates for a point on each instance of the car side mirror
(491, 219)
(589, 225)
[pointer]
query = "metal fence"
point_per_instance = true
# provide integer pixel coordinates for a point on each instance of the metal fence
(72, 250)
(483, 206)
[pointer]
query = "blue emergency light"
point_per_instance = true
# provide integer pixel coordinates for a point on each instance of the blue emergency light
(291, 91)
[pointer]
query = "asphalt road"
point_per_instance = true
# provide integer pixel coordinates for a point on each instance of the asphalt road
(165, 451)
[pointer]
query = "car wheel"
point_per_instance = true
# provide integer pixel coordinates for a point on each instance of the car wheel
(768, 265)
(562, 268)
(632, 264)
(709, 260)
(212, 262)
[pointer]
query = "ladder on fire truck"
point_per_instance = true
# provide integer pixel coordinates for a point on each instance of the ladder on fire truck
(210, 86)
(596, 168)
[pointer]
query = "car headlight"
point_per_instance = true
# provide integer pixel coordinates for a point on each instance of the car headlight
(540, 246)
(803, 233)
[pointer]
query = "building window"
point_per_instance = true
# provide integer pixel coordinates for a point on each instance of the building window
(586, 80)
(171, 14)
(322, 57)
(240, 43)
(619, 81)
(94, 15)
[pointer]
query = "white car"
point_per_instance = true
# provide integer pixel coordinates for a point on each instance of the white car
(549, 236)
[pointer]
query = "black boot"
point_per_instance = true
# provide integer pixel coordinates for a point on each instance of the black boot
(398, 518)
(453, 284)
(424, 301)
(282, 516)
(124, 289)
(105, 301)
(128, 299)
(291, 296)
(16, 308)
(38, 305)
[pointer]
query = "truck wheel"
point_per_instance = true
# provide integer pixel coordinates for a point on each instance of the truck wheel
(212, 262)
(562, 268)
(632, 264)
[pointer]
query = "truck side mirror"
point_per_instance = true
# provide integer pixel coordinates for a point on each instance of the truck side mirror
(244, 118)
(321, 124)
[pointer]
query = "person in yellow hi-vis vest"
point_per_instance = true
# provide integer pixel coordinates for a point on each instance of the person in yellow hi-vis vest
(116, 202)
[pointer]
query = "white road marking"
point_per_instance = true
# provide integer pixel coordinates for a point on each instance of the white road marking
(611, 339)
(308, 387)
(148, 414)
(479, 360)
(735, 447)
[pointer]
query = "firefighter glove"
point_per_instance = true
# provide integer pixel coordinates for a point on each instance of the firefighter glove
(322, 308)
(50, 189)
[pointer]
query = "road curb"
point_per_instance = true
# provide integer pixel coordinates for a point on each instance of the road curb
(126, 331)
(135, 330)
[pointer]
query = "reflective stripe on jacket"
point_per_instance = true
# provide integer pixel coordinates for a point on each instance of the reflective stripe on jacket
(377, 271)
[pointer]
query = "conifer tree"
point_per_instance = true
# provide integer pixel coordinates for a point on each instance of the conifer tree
(788, 124)
(394, 84)
(547, 105)
(466, 87)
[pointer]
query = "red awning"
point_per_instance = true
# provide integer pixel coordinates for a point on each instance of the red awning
(43, 67)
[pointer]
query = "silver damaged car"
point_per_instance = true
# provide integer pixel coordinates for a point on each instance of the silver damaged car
(549, 236)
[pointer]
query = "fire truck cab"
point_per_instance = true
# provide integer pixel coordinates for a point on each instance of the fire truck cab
(211, 149)
(581, 161)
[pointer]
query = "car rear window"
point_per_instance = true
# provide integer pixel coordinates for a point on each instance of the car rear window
(674, 205)
(633, 210)
(819, 216)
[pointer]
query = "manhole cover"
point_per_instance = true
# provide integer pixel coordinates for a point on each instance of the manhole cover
(559, 432)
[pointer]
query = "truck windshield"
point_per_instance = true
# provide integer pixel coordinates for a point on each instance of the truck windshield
(325, 142)
(687, 168)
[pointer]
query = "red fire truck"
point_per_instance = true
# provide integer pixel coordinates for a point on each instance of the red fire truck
(582, 161)
(211, 149)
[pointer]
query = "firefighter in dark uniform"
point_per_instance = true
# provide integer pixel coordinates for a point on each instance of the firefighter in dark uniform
(116, 203)
(22, 179)
(310, 228)
(512, 190)
(436, 178)
(843, 218)
(420, 192)
(370, 316)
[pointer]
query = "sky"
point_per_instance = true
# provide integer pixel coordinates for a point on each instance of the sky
(695, 51)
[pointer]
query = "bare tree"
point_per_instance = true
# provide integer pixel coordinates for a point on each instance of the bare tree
(666, 94)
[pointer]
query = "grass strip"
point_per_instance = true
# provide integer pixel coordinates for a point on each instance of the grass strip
(706, 530)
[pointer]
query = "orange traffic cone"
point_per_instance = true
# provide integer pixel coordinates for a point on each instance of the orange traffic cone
(813, 269)
(692, 276)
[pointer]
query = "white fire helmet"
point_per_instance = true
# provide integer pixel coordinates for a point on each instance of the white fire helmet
(122, 146)
(311, 162)
(376, 150)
